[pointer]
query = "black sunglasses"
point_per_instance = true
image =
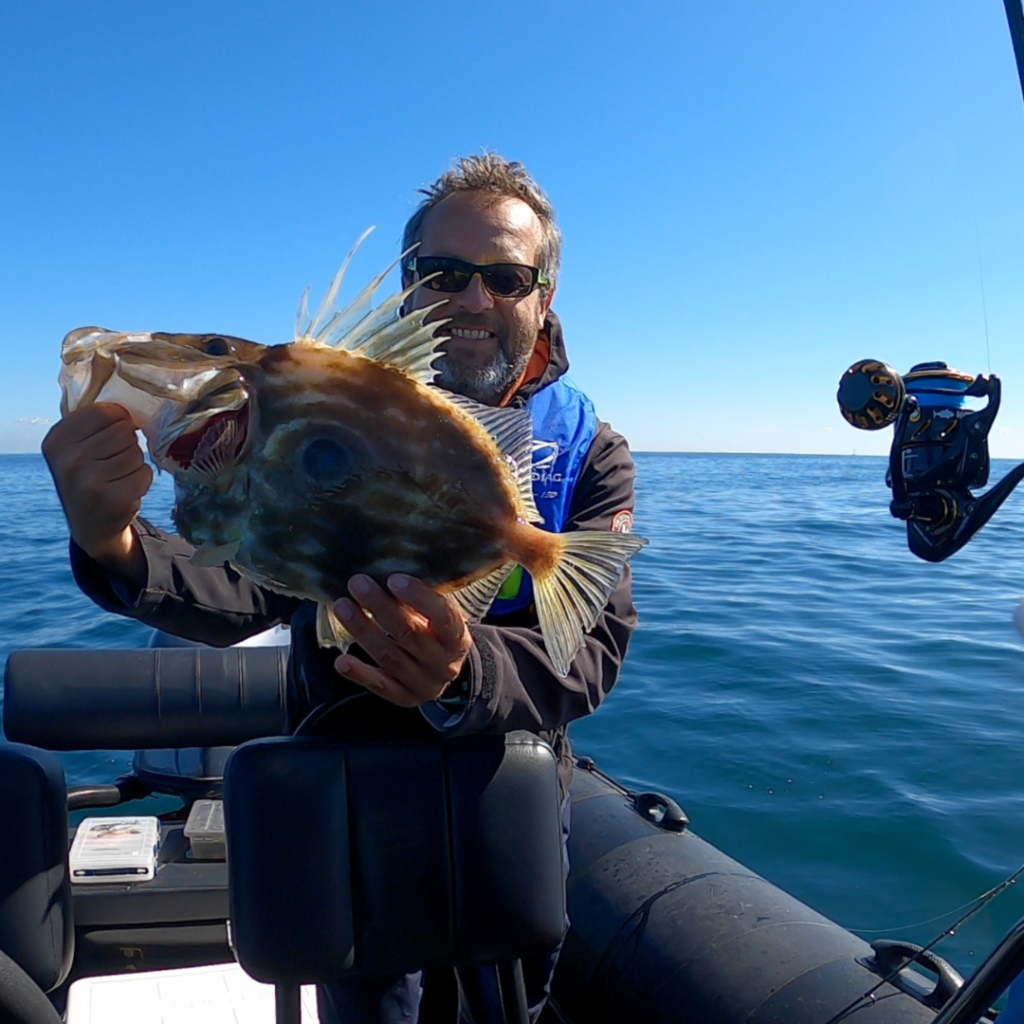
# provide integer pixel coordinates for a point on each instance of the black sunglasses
(447, 274)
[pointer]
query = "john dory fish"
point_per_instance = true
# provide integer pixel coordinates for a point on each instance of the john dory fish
(305, 463)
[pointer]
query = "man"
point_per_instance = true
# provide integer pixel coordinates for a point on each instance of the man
(488, 242)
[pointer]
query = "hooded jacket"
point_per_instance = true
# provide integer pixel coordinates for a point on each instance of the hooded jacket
(507, 683)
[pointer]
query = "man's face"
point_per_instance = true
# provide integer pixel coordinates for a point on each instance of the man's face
(490, 338)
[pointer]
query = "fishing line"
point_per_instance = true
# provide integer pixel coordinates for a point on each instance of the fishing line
(914, 924)
(984, 305)
(971, 191)
(981, 902)
(321, 712)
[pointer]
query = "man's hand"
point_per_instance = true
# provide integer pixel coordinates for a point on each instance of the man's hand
(417, 637)
(101, 477)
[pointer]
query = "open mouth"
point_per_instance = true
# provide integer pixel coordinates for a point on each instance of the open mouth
(469, 334)
(213, 446)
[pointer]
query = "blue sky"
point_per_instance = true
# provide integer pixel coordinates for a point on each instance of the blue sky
(753, 196)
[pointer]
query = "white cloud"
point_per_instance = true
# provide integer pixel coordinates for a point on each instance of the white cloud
(35, 421)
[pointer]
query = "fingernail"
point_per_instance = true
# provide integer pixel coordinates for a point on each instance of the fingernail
(360, 585)
(343, 609)
(343, 666)
(399, 581)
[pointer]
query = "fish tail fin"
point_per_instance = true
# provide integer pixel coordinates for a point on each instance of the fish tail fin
(329, 629)
(572, 590)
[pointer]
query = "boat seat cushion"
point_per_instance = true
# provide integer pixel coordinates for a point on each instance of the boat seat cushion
(387, 857)
(36, 926)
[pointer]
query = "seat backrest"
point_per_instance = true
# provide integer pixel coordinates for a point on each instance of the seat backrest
(381, 857)
(36, 925)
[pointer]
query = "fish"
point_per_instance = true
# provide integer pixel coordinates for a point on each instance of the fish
(304, 463)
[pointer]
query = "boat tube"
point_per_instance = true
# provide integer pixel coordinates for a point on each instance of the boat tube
(664, 927)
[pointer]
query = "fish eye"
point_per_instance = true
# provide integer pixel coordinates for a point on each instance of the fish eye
(328, 463)
(216, 346)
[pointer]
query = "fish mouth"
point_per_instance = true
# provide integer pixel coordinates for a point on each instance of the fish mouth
(215, 445)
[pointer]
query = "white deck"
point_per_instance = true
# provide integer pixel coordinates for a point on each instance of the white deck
(222, 994)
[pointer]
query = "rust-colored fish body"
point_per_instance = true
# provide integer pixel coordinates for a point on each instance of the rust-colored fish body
(351, 471)
(303, 464)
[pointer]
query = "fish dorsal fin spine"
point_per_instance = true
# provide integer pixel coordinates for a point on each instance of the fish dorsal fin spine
(323, 315)
(512, 431)
(382, 334)
(476, 598)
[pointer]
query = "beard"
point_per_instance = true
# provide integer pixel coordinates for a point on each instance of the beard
(487, 383)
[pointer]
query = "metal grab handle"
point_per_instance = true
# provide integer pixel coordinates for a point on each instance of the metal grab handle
(662, 811)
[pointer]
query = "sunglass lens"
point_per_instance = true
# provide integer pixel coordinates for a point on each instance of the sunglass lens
(449, 281)
(444, 275)
(508, 280)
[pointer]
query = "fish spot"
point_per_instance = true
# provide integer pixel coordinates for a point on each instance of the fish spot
(328, 462)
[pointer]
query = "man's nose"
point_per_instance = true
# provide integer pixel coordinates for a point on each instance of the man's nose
(475, 298)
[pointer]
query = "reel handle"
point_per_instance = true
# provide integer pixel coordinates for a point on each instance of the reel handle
(871, 394)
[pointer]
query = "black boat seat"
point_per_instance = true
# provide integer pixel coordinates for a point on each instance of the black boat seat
(373, 858)
(36, 926)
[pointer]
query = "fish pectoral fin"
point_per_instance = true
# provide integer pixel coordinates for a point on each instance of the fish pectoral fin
(329, 629)
(214, 554)
(572, 593)
(475, 599)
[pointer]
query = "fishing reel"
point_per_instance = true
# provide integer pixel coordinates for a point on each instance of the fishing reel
(939, 450)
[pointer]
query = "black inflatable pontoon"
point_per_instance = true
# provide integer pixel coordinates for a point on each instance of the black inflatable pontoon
(664, 927)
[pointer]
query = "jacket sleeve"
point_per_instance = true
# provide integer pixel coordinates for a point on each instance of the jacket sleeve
(212, 605)
(510, 682)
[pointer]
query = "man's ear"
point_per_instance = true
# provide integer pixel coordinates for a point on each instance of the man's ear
(546, 305)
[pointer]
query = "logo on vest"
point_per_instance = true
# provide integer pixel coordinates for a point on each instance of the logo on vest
(545, 455)
(622, 522)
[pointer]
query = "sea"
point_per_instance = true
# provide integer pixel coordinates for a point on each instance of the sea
(841, 717)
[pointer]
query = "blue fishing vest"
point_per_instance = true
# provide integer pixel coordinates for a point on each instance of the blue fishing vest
(564, 424)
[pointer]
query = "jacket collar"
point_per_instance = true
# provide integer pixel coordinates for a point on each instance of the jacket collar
(550, 361)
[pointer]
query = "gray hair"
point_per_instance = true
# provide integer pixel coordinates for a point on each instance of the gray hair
(501, 178)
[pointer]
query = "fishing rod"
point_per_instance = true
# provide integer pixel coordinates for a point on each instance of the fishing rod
(1015, 19)
(1012, 959)
(939, 453)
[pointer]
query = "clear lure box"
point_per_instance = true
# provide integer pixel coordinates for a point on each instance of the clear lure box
(115, 850)
(204, 830)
